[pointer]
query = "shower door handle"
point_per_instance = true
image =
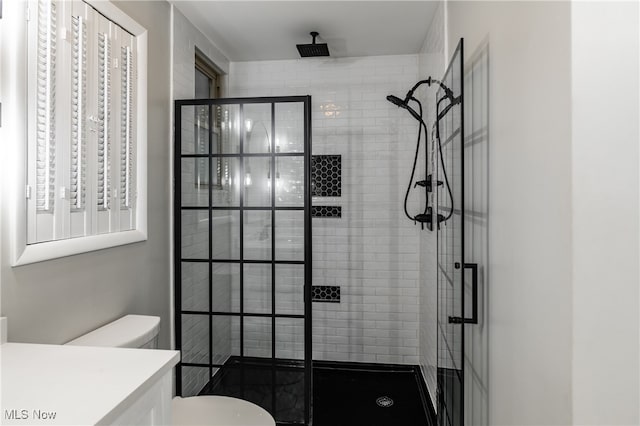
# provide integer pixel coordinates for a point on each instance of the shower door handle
(474, 296)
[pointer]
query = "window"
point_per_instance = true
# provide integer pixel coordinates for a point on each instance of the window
(207, 86)
(207, 79)
(86, 138)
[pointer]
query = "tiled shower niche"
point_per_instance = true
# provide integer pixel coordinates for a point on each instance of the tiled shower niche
(326, 175)
(326, 293)
(326, 211)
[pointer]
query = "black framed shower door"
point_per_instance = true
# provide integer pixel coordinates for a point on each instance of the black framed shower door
(452, 315)
(242, 221)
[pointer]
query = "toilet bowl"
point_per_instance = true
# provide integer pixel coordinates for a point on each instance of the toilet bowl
(141, 331)
(220, 411)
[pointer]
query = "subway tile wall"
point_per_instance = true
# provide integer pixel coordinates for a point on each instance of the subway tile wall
(372, 251)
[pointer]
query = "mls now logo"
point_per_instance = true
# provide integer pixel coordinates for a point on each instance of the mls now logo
(16, 414)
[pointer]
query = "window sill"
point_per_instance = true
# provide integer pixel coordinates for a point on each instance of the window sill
(34, 253)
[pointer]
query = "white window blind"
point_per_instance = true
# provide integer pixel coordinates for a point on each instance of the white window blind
(82, 161)
(126, 138)
(104, 121)
(79, 115)
(46, 106)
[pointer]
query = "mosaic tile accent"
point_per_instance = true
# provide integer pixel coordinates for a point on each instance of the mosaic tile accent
(326, 293)
(326, 175)
(326, 211)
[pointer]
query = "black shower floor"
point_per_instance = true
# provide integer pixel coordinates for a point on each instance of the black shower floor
(278, 388)
(350, 395)
(344, 394)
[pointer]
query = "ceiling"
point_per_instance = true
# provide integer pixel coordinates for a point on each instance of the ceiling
(270, 30)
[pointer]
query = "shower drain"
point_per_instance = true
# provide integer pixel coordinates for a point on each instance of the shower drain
(384, 402)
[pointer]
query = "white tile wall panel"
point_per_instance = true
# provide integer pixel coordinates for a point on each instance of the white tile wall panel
(372, 251)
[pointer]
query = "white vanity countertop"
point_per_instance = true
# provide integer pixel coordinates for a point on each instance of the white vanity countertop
(82, 385)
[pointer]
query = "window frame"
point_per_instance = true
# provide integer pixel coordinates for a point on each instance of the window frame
(203, 65)
(16, 160)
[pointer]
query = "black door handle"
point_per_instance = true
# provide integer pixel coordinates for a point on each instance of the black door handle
(474, 296)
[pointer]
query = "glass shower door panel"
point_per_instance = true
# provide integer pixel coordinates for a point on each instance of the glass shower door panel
(193, 130)
(290, 181)
(195, 182)
(450, 231)
(289, 235)
(225, 287)
(226, 128)
(243, 252)
(225, 187)
(195, 286)
(290, 289)
(257, 128)
(290, 127)
(257, 288)
(257, 182)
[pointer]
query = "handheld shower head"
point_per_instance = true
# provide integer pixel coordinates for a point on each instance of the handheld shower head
(404, 104)
(396, 101)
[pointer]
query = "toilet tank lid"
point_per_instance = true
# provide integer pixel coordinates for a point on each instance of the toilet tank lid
(130, 331)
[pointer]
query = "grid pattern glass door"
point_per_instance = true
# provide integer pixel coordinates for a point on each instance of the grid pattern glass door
(243, 251)
(450, 195)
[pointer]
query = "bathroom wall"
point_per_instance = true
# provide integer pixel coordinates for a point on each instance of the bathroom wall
(432, 62)
(195, 225)
(58, 300)
(604, 153)
(372, 251)
(3, 154)
(529, 294)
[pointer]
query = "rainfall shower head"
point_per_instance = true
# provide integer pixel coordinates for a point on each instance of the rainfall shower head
(314, 49)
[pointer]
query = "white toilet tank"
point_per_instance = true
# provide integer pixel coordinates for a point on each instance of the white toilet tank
(130, 331)
(141, 331)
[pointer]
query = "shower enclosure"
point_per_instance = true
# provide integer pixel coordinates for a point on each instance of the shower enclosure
(243, 251)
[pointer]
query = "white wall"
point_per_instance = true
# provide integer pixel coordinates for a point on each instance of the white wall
(529, 295)
(186, 38)
(431, 62)
(372, 251)
(3, 154)
(605, 73)
(57, 300)
(476, 232)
